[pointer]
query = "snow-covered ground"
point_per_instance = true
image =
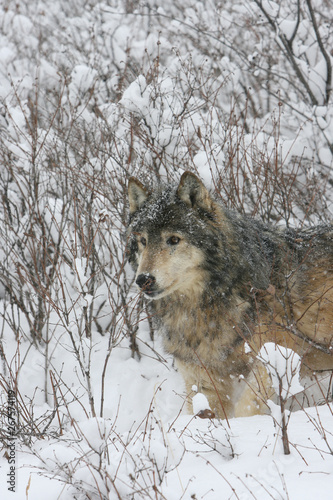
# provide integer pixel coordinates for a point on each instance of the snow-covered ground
(91, 92)
(144, 448)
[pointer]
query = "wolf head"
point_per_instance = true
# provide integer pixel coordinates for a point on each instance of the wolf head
(173, 235)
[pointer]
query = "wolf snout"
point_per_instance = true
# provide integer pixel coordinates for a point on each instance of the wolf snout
(146, 282)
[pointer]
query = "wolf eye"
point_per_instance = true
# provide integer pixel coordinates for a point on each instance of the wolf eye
(173, 240)
(143, 241)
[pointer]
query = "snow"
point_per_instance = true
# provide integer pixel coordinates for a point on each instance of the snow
(283, 366)
(288, 28)
(194, 457)
(98, 419)
(199, 403)
(136, 96)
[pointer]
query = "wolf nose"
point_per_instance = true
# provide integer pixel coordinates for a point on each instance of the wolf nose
(145, 281)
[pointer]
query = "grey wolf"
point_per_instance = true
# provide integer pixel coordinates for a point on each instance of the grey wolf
(218, 282)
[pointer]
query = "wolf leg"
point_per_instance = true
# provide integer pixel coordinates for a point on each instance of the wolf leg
(219, 392)
(257, 389)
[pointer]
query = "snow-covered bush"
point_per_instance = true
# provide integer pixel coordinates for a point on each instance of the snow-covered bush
(283, 366)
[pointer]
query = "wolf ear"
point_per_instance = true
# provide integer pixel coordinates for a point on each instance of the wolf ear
(193, 192)
(137, 194)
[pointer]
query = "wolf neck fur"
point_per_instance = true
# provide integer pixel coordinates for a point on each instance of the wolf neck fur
(193, 324)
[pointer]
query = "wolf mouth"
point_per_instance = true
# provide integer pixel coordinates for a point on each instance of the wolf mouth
(148, 285)
(153, 294)
(157, 293)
